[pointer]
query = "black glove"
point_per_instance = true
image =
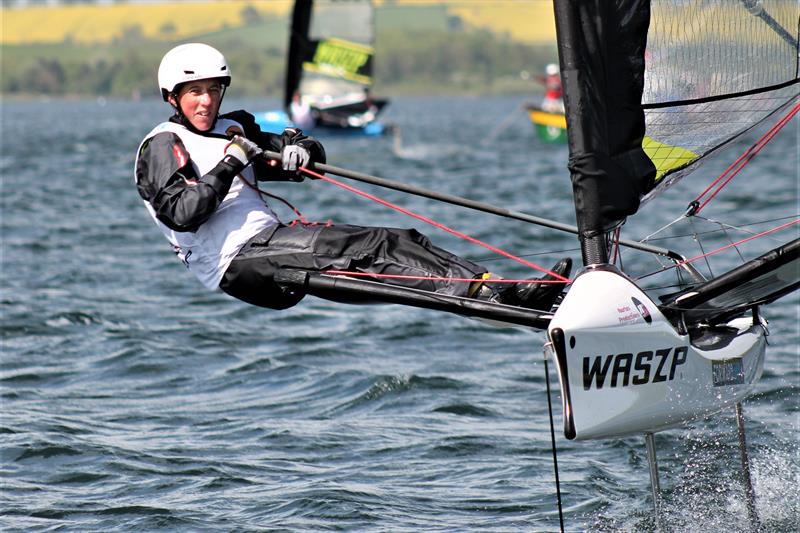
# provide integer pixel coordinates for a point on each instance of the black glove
(242, 149)
(297, 151)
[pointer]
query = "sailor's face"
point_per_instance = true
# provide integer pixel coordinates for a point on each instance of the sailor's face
(199, 102)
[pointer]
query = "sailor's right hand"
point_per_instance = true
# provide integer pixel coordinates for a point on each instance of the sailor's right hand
(293, 157)
(242, 149)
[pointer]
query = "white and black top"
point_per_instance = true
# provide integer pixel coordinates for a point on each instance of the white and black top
(198, 196)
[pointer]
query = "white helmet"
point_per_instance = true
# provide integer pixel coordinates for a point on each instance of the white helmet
(551, 69)
(188, 62)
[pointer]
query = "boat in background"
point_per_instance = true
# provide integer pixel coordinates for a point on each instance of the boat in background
(551, 127)
(329, 70)
(548, 117)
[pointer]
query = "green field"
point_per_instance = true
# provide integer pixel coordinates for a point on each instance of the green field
(420, 49)
(528, 21)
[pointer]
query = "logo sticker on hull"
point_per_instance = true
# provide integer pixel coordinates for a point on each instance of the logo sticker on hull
(727, 372)
(643, 310)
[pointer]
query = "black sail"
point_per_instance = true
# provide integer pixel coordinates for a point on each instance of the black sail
(331, 59)
(601, 47)
(299, 48)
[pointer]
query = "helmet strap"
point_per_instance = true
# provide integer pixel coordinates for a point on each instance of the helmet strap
(221, 97)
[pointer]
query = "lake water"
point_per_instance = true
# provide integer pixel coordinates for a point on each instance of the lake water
(135, 400)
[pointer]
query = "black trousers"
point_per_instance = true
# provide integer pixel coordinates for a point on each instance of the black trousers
(374, 250)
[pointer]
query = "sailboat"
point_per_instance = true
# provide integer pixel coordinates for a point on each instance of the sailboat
(637, 126)
(547, 116)
(330, 61)
(652, 90)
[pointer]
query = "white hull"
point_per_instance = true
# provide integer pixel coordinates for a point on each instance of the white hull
(624, 369)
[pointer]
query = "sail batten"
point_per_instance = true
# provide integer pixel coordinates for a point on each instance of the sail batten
(703, 100)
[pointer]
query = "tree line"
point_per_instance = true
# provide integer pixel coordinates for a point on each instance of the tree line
(405, 62)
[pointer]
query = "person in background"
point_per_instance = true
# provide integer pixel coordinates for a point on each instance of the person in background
(197, 174)
(300, 112)
(553, 92)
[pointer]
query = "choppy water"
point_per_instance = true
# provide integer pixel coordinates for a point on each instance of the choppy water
(134, 400)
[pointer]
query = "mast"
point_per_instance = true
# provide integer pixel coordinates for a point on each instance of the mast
(601, 50)
(298, 45)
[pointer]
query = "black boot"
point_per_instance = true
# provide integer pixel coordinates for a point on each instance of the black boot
(541, 296)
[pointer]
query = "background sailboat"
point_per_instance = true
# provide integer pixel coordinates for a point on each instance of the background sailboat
(328, 84)
(547, 116)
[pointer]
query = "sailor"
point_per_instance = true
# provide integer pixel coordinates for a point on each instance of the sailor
(553, 91)
(300, 112)
(197, 174)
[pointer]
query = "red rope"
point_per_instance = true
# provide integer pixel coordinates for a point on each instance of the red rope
(432, 222)
(745, 158)
(300, 218)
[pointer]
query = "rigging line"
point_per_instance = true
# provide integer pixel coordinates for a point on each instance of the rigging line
(561, 251)
(614, 242)
(437, 278)
(664, 287)
(755, 8)
(743, 159)
(749, 152)
(699, 242)
(263, 193)
(470, 204)
(705, 255)
(724, 227)
(505, 123)
(432, 222)
(662, 228)
(728, 236)
(297, 212)
(553, 446)
(740, 227)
